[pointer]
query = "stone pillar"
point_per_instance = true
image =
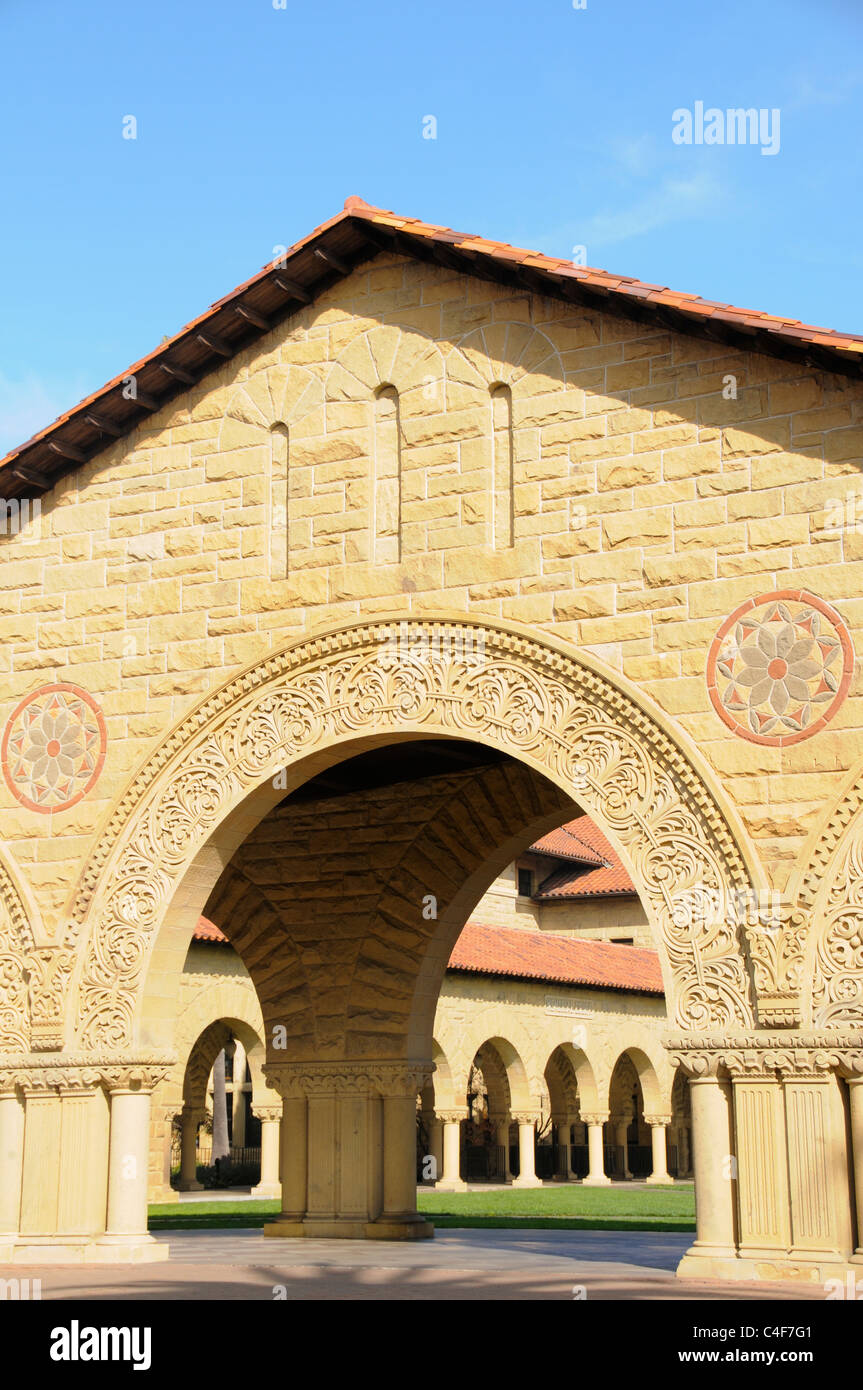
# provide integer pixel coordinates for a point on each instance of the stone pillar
(715, 1178)
(190, 1118)
(11, 1163)
(855, 1091)
(621, 1125)
(658, 1123)
(451, 1179)
(400, 1159)
(349, 1149)
(126, 1230)
(270, 1117)
(563, 1126)
(435, 1130)
(502, 1135)
(596, 1176)
(526, 1122)
(238, 1098)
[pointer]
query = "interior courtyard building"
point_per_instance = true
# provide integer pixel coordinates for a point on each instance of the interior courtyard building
(547, 1038)
(409, 551)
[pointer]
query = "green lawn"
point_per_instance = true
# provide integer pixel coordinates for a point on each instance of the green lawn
(547, 1208)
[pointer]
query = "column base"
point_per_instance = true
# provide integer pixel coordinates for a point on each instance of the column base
(189, 1185)
(68, 1250)
(527, 1182)
(399, 1228)
(659, 1180)
(451, 1185)
(267, 1189)
(326, 1228)
(774, 1269)
(596, 1182)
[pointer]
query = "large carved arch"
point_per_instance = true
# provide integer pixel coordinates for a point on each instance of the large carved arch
(32, 973)
(828, 912)
(534, 700)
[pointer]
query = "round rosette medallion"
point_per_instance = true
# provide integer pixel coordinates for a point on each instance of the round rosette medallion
(53, 748)
(780, 667)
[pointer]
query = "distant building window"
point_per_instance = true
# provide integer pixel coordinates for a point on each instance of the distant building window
(525, 883)
(623, 941)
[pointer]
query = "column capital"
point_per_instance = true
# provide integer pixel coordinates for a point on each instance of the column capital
(267, 1114)
(392, 1079)
(452, 1117)
(44, 1072)
(654, 1119)
(768, 1055)
(594, 1117)
(525, 1117)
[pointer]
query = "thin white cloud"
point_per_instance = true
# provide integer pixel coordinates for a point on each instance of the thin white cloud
(674, 200)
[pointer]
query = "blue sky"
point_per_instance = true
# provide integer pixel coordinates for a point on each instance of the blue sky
(554, 130)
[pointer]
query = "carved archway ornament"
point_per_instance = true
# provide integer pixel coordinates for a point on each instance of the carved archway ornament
(531, 699)
(830, 897)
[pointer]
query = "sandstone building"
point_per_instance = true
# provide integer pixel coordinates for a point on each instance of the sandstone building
(406, 552)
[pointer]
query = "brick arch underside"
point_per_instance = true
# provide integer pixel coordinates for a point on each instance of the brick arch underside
(212, 781)
(330, 903)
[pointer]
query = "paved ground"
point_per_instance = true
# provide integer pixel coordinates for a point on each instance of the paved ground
(463, 1265)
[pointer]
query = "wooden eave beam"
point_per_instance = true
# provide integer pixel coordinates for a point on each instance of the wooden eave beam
(216, 344)
(179, 373)
(67, 451)
(31, 475)
(332, 260)
(293, 288)
(253, 316)
(105, 426)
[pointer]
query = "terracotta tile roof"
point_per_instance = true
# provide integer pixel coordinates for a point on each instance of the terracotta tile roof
(335, 249)
(563, 843)
(607, 877)
(535, 955)
(608, 881)
(205, 930)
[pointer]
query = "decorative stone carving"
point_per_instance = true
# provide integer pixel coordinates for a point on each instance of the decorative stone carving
(776, 948)
(295, 1080)
(48, 971)
(267, 1114)
(653, 1119)
(16, 938)
(798, 1056)
(523, 697)
(780, 667)
(35, 1071)
(53, 748)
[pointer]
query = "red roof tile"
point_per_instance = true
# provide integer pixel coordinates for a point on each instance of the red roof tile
(205, 930)
(563, 843)
(344, 241)
(607, 877)
(535, 955)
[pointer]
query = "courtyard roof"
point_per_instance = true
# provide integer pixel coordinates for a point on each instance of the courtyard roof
(335, 249)
(534, 955)
(596, 873)
(537, 955)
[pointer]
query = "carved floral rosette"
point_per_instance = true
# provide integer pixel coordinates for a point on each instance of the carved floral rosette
(524, 698)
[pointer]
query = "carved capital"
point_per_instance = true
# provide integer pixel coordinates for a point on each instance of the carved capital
(594, 1117)
(267, 1114)
(525, 1117)
(657, 1120)
(292, 1080)
(451, 1117)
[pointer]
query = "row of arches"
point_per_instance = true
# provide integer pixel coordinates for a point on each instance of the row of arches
(494, 1128)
